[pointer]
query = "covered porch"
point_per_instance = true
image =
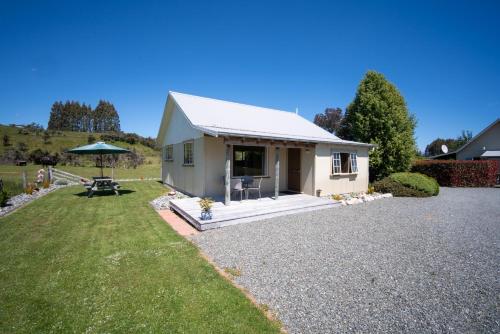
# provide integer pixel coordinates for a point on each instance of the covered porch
(248, 210)
(282, 165)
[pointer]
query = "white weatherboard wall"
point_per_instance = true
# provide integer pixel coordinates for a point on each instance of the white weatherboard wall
(490, 140)
(340, 184)
(189, 179)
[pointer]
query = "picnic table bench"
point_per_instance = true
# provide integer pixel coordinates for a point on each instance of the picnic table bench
(101, 184)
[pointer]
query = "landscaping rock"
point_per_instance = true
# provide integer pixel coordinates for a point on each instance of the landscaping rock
(163, 202)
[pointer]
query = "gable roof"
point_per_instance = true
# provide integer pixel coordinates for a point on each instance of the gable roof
(478, 135)
(224, 118)
(486, 129)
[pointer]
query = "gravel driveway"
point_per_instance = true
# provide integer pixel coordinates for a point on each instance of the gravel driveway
(400, 264)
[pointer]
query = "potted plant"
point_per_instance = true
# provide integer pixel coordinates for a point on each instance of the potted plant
(206, 208)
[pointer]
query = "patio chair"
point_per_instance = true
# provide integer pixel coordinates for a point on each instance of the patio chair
(247, 181)
(238, 186)
(254, 187)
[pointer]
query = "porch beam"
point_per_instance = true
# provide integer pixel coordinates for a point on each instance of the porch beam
(227, 178)
(276, 173)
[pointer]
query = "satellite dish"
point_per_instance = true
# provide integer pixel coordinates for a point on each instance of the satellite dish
(444, 148)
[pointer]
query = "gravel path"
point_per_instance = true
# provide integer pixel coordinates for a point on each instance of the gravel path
(403, 264)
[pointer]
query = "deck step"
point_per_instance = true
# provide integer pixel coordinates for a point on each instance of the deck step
(243, 213)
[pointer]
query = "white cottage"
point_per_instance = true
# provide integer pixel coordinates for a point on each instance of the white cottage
(210, 144)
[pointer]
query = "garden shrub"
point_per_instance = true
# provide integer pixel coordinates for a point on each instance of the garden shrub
(407, 185)
(4, 197)
(459, 173)
(417, 181)
(13, 187)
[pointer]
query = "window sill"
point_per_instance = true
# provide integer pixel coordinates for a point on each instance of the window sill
(169, 160)
(344, 174)
(187, 165)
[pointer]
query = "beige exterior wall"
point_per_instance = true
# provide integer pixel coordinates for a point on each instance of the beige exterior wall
(307, 171)
(490, 140)
(215, 160)
(339, 184)
(315, 170)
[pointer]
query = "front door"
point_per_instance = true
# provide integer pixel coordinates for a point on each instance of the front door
(294, 169)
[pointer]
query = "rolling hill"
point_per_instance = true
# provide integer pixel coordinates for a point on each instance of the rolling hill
(60, 141)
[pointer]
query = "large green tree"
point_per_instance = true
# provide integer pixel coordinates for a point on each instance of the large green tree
(379, 115)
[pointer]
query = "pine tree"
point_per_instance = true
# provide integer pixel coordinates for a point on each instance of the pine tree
(55, 119)
(106, 117)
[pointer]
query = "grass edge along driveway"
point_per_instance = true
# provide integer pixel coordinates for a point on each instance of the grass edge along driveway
(110, 264)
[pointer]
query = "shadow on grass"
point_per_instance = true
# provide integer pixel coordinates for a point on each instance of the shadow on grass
(105, 193)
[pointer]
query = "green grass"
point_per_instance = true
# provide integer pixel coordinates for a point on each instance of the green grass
(14, 173)
(110, 264)
(146, 171)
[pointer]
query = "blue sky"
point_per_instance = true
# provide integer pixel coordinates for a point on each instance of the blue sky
(443, 56)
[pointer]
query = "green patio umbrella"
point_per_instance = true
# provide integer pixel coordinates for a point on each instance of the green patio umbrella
(99, 148)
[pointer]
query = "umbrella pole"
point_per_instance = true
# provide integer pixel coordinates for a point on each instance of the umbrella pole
(102, 175)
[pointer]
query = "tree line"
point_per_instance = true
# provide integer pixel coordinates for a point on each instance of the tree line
(73, 116)
(453, 144)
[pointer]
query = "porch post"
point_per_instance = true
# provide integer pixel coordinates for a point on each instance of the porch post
(276, 172)
(227, 178)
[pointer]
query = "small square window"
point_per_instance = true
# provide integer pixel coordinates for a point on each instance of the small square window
(344, 163)
(169, 152)
(188, 153)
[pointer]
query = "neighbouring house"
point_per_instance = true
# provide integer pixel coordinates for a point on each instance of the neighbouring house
(206, 142)
(484, 146)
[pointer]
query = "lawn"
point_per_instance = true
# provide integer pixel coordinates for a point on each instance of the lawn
(110, 264)
(145, 171)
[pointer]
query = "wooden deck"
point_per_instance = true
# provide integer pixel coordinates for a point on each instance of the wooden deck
(248, 210)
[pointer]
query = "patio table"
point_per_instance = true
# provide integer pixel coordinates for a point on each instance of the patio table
(102, 183)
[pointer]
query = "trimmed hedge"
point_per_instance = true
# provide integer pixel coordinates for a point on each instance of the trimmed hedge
(408, 185)
(459, 173)
(418, 182)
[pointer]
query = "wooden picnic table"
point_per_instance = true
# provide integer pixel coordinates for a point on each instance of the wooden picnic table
(102, 183)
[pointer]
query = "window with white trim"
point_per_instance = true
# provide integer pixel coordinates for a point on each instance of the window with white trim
(354, 163)
(344, 163)
(336, 163)
(169, 153)
(188, 153)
